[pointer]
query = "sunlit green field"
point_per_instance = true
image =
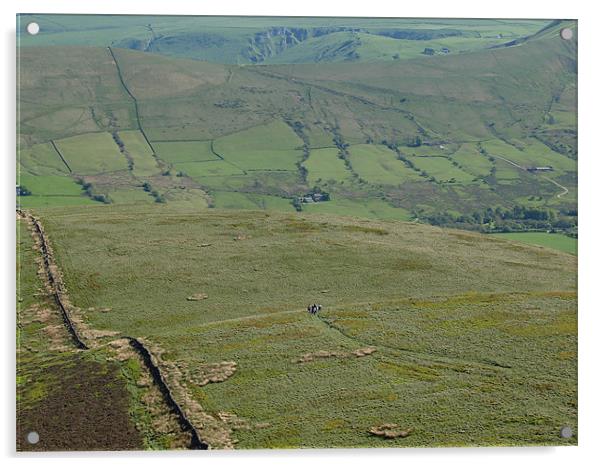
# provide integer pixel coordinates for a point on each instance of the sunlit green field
(324, 165)
(378, 164)
(140, 153)
(549, 240)
(185, 151)
(92, 153)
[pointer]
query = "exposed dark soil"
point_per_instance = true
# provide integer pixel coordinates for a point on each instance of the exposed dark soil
(86, 408)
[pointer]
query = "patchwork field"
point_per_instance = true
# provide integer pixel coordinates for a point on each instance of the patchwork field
(270, 147)
(326, 119)
(442, 169)
(325, 166)
(531, 154)
(185, 151)
(92, 153)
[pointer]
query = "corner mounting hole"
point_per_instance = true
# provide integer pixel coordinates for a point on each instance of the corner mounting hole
(566, 432)
(33, 28)
(33, 437)
(566, 33)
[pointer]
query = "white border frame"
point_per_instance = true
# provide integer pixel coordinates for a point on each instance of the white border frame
(590, 168)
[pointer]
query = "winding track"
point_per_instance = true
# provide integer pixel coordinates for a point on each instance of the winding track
(559, 195)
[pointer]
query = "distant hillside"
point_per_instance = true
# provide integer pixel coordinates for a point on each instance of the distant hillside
(482, 140)
(277, 39)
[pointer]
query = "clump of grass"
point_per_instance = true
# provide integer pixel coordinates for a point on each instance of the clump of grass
(389, 431)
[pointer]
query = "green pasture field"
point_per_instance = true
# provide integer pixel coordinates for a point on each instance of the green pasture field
(548, 240)
(274, 146)
(51, 190)
(41, 159)
(34, 201)
(442, 169)
(472, 161)
(365, 237)
(92, 153)
(209, 168)
(326, 165)
(424, 151)
(140, 152)
(441, 100)
(261, 269)
(379, 165)
(506, 172)
(185, 151)
(50, 185)
(370, 208)
(532, 153)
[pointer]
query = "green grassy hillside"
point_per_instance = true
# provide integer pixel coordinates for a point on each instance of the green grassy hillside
(461, 129)
(464, 326)
(548, 240)
(203, 179)
(275, 39)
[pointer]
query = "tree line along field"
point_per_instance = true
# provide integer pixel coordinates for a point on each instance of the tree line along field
(442, 133)
(451, 317)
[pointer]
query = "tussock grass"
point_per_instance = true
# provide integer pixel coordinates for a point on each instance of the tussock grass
(457, 333)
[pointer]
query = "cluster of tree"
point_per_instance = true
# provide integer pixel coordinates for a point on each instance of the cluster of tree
(92, 193)
(413, 141)
(159, 198)
(298, 127)
(343, 152)
(499, 219)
